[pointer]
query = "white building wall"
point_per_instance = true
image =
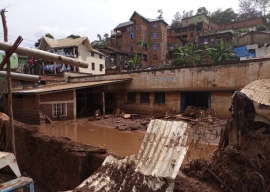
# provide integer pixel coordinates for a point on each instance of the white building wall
(262, 51)
(85, 55)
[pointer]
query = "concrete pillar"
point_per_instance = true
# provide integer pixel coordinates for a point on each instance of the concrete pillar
(103, 103)
(74, 105)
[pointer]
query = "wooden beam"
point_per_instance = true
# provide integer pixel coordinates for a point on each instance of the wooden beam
(25, 51)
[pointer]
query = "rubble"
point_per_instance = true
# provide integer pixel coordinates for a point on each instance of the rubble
(241, 162)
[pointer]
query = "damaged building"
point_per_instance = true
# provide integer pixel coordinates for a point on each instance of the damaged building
(153, 92)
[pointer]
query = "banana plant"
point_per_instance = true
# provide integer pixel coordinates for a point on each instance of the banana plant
(135, 62)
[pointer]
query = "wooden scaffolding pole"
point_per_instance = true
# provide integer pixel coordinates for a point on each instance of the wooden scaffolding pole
(8, 54)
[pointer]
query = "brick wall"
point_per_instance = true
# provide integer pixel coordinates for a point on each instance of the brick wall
(49, 161)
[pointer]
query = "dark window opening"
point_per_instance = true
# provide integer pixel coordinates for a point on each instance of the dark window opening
(92, 54)
(93, 66)
(144, 98)
(100, 56)
(159, 98)
(184, 36)
(131, 97)
(100, 67)
(196, 99)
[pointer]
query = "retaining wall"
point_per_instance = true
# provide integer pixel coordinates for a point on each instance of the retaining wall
(51, 161)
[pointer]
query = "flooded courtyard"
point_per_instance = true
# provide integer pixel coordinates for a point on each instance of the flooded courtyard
(121, 143)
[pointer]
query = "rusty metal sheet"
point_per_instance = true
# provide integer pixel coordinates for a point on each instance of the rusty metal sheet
(65, 86)
(158, 160)
(259, 91)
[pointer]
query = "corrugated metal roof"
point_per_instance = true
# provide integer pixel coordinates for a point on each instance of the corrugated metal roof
(65, 86)
(124, 24)
(258, 91)
(160, 156)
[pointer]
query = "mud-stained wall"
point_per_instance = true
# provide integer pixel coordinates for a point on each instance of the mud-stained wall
(216, 77)
(50, 160)
(221, 102)
(172, 104)
(47, 100)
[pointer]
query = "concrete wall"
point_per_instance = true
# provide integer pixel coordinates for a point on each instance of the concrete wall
(85, 55)
(172, 104)
(50, 161)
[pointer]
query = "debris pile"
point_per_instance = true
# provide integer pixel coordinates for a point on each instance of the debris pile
(242, 160)
(153, 168)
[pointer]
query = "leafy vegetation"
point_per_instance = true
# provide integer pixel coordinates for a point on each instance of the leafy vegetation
(135, 62)
(101, 42)
(73, 36)
(189, 55)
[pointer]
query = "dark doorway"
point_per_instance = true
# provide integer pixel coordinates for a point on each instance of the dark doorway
(88, 103)
(109, 102)
(196, 99)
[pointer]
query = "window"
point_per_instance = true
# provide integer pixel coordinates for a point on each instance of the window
(127, 28)
(155, 47)
(92, 54)
(131, 47)
(144, 98)
(154, 35)
(131, 35)
(59, 109)
(93, 66)
(131, 97)
(100, 56)
(159, 98)
(154, 24)
(155, 57)
(100, 67)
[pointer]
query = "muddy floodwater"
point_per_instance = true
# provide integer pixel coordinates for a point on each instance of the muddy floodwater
(121, 143)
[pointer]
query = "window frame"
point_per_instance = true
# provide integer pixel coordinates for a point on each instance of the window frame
(155, 35)
(155, 47)
(92, 54)
(155, 24)
(93, 66)
(159, 101)
(131, 97)
(101, 67)
(131, 35)
(62, 107)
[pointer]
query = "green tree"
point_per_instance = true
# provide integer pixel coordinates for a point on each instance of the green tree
(220, 52)
(248, 9)
(202, 10)
(263, 5)
(188, 55)
(135, 62)
(186, 14)
(39, 40)
(176, 22)
(73, 36)
(160, 16)
(101, 42)
(223, 17)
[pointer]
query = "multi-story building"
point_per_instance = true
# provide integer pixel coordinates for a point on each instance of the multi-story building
(146, 37)
(79, 48)
(192, 27)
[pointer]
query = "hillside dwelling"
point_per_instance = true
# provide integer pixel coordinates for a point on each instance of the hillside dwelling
(254, 37)
(144, 36)
(14, 62)
(250, 24)
(192, 27)
(79, 48)
(215, 38)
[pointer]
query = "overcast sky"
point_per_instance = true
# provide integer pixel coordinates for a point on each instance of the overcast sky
(32, 19)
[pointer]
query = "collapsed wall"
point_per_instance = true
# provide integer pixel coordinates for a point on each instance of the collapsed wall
(55, 163)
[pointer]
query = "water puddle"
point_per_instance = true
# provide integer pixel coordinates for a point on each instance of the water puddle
(121, 143)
